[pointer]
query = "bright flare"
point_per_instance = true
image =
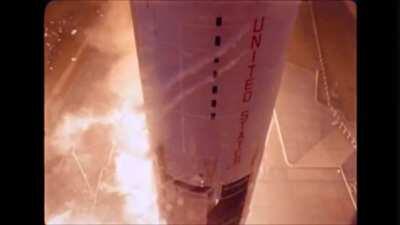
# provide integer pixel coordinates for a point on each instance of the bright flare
(133, 165)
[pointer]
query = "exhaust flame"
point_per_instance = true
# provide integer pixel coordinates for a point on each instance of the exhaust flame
(133, 164)
(128, 161)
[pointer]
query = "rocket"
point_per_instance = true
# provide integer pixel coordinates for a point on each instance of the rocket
(210, 74)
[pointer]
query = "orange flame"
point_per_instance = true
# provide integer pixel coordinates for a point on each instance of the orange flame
(133, 165)
(131, 169)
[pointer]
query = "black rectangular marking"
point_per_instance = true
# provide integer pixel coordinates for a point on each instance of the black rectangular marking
(213, 103)
(217, 40)
(212, 116)
(215, 73)
(215, 89)
(219, 21)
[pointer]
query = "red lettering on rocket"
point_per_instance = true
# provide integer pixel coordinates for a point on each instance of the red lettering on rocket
(255, 43)
(259, 28)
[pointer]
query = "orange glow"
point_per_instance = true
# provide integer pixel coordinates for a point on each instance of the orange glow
(131, 147)
(105, 174)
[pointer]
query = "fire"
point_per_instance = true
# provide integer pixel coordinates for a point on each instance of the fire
(105, 175)
(130, 154)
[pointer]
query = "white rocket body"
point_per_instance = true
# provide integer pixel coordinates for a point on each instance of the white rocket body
(210, 74)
